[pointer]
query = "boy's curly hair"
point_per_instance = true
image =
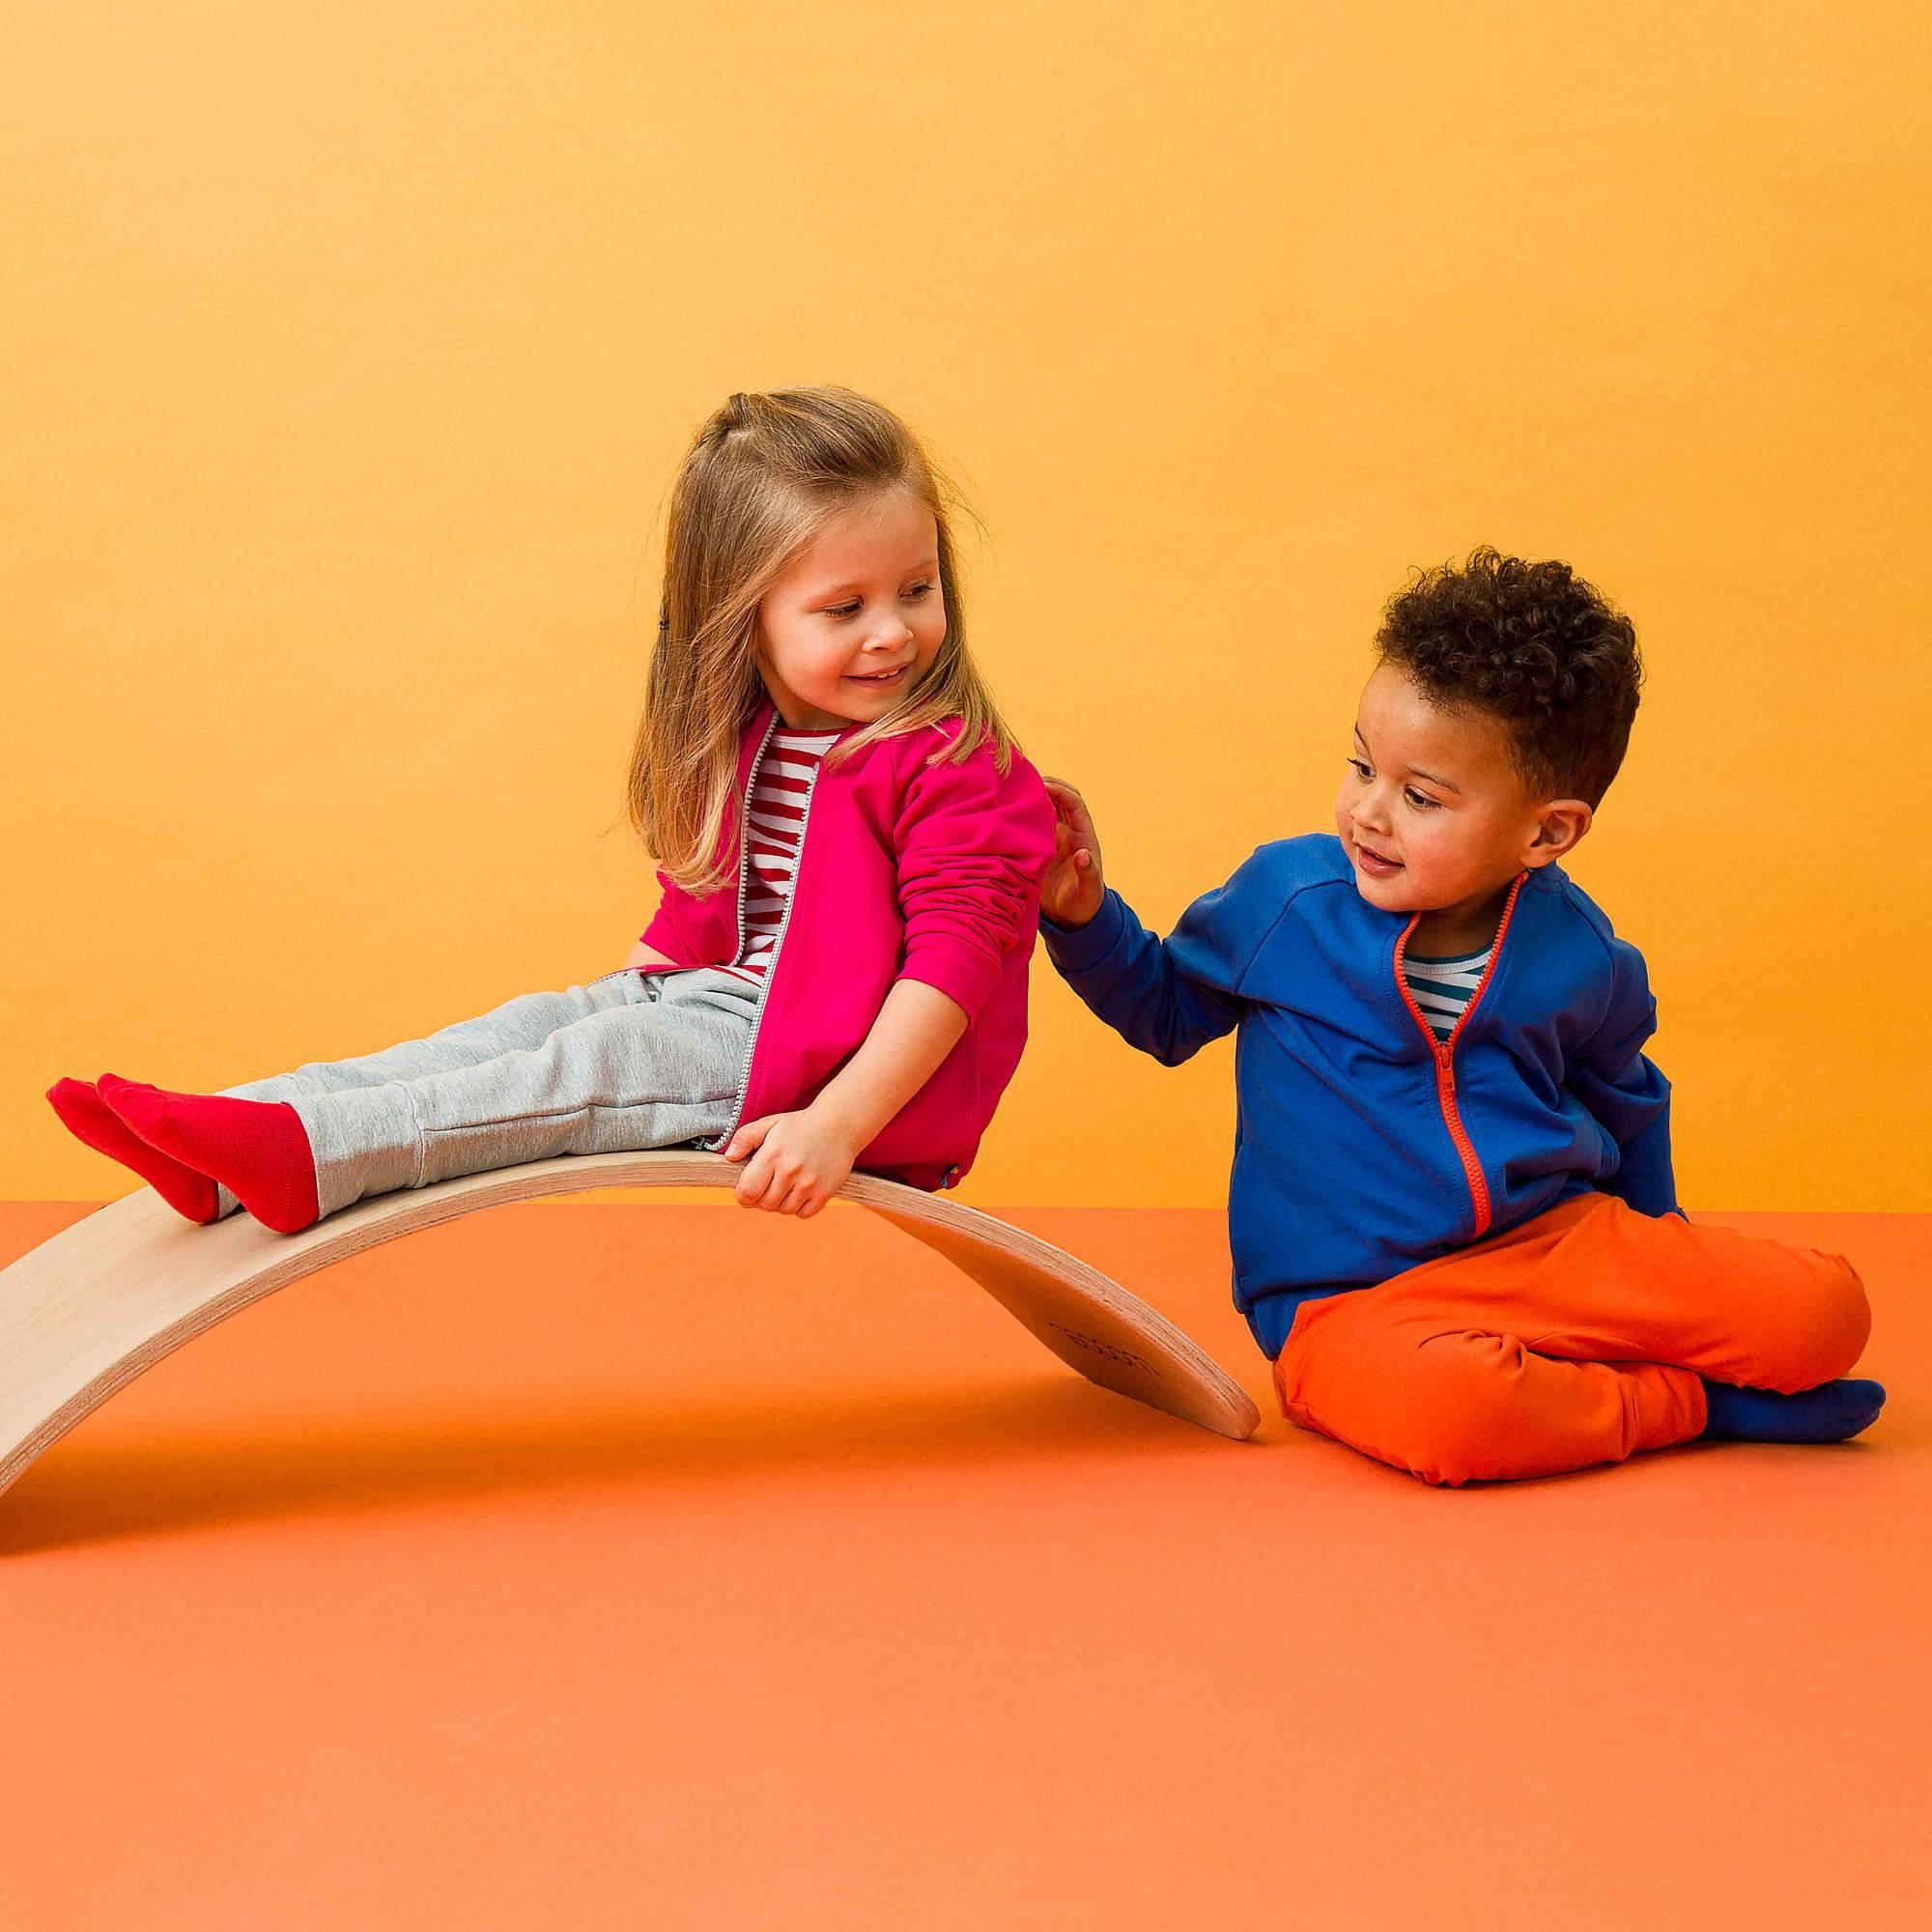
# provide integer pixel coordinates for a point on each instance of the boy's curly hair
(1531, 644)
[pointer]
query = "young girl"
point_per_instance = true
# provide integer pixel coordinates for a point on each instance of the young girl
(850, 847)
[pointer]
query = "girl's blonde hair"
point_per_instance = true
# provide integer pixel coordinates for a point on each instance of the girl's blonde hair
(765, 475)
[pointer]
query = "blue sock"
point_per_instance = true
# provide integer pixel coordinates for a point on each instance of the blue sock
(1831, 1412)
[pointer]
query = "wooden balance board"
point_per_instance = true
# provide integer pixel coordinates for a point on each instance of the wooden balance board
(85, 1313)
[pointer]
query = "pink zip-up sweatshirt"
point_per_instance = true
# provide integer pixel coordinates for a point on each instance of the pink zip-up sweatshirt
(906, 870)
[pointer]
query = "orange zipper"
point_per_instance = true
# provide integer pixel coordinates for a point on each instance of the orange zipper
(1445, 1054)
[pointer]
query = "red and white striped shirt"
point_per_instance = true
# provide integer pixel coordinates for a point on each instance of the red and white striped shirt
(774, 829)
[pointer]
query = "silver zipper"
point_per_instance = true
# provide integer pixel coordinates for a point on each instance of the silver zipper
(784, 920)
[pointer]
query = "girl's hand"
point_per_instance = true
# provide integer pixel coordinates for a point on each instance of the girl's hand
(1072, 886)
(798, 1162)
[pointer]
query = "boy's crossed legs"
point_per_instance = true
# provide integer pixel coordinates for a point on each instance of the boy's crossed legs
(1580, 1336)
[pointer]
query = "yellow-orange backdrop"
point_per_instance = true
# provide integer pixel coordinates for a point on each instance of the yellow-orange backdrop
(346, 357)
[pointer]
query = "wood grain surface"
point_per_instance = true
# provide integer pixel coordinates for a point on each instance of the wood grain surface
(85, 1313)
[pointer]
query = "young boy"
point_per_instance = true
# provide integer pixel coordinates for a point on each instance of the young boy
(1452, 1214)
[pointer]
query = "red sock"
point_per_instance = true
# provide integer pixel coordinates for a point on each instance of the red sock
(257, 1148)
(88, 1117)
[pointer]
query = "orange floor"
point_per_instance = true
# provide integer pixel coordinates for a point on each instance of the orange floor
(621, 1565)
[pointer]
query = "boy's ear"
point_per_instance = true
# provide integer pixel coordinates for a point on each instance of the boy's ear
(1559, 825)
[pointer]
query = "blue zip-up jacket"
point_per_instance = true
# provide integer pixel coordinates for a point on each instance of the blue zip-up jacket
(1363, 1145)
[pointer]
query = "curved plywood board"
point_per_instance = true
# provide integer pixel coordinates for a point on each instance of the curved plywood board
(84, 1313)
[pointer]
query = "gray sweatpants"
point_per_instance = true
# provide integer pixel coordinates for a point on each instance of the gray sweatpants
(632, 1060)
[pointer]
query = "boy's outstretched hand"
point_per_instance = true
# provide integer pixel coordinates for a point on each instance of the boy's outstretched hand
(1073, 887)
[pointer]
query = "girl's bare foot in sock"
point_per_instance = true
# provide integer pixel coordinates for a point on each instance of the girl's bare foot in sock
(89, 1119)
(258, 1149)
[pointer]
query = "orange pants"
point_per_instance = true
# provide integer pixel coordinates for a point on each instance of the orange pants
(1577, 1337)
